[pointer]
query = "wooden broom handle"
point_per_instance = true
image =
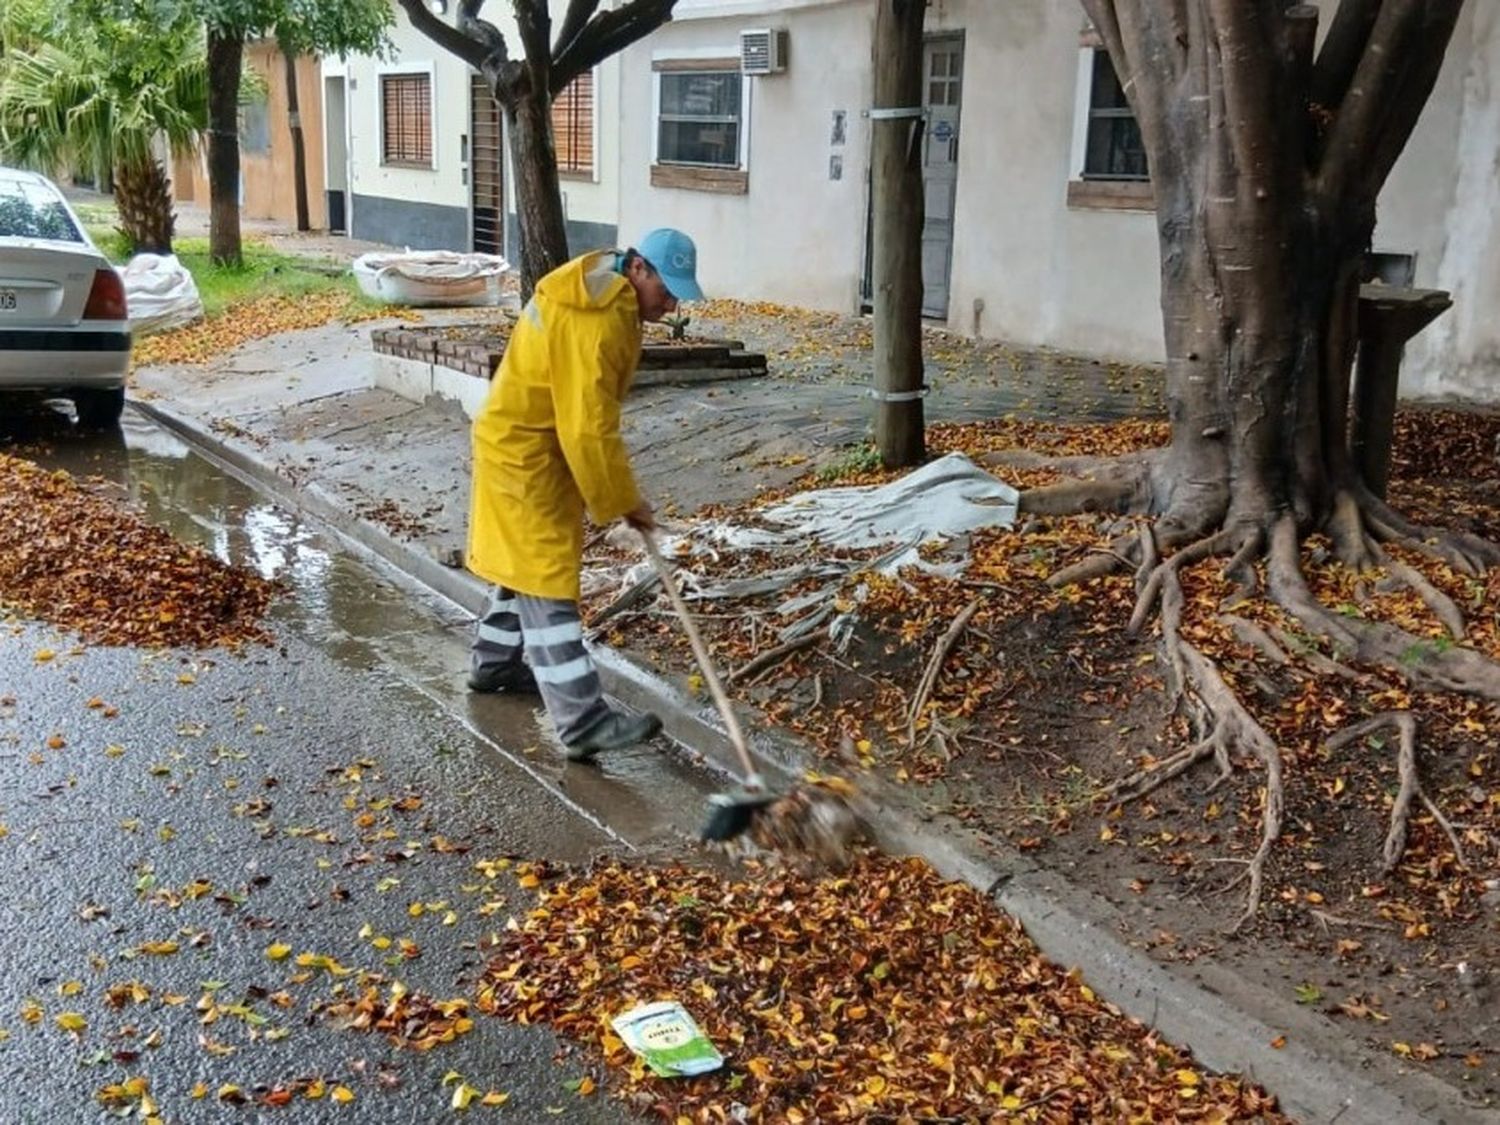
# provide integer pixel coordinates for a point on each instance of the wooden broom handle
(700, 653)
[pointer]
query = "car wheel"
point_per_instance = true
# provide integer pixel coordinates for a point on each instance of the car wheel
(99, 409)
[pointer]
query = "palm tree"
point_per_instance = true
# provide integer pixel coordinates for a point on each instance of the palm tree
(95, 89)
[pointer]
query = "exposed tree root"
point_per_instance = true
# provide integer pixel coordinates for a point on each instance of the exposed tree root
(1107, 494)
(1405, 726)
(1428, 665)
(1249, 633)
(1358, 523)
(1468, 554)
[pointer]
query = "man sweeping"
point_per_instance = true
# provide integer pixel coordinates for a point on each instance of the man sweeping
(547, 446)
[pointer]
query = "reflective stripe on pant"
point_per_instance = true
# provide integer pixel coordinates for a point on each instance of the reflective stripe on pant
(550, 632)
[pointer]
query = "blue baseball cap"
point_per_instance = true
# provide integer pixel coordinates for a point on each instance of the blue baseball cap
(676, 259)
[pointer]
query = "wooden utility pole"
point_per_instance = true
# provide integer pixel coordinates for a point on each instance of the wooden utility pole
(896, 200)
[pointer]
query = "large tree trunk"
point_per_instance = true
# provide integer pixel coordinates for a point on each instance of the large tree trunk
(226, 54)
(896, 250)
(544, 231)
(143, 194)
(1266, 163)
(299, 146)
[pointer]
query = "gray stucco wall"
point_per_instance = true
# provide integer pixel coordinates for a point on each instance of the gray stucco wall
(582, 237)
(403, 222)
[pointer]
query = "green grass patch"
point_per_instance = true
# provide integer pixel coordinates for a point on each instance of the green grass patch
(265, 272)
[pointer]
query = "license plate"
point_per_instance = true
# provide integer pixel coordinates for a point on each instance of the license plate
(8, 301)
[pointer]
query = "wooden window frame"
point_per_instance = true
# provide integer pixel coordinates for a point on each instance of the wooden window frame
(424, 73)
(721, 179)
(1092, 192)
(567, 103)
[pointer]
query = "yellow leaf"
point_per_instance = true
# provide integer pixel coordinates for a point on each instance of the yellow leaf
(529, 880)
(1188, 1078)
(44, 655)
(875, 1085)
(278, 951)
(71, 1021)
(463, 1094)
(342, 1094)
(70, 988)
(586, 1086)
(159, 948)
(315, 1089)
(1010, 1101)
(494, 1098)
(198, 1092)
(186, 678)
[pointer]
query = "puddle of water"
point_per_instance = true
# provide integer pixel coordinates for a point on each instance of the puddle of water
(364, 619)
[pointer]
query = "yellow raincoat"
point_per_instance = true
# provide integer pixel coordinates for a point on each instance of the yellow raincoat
(547, 442)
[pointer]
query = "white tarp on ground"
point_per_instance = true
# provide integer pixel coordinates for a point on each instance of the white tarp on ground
(939, 502)
(159, 294)
(431, 278)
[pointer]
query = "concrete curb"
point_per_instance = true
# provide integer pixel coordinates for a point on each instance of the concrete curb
(1322, 1074)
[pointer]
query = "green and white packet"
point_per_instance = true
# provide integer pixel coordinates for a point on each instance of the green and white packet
(665, 1035)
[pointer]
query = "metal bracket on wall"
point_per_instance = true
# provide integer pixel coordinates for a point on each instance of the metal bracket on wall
(916, 114)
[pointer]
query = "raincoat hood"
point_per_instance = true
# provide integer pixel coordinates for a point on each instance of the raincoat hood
(590, 282)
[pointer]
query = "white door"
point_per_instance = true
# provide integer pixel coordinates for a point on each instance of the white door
(942, 76)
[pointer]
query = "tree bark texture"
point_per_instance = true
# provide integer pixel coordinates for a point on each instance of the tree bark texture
(143, 194)
(544, 233)
(299, 145)
(226, 53)
(896, 249)
(1267, 158)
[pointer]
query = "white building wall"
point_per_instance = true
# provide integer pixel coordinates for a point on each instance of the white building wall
(796, 236)
(1027, 266)
(1449, 185)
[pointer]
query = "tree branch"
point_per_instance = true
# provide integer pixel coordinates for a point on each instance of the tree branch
(466, 47)
(578, 15)
(1342, 50)
(607, 33)
(1390, 87)
(534, 24)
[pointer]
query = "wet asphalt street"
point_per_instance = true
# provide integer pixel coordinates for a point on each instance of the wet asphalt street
(322, 794)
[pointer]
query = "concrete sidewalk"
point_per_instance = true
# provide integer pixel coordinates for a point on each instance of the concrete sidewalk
(299, 415)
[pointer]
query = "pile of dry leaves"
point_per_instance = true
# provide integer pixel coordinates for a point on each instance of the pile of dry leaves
(884, 994)
(76, 560)
(254, 319)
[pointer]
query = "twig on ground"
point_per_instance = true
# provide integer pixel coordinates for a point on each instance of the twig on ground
(934, 667)
(767, 660)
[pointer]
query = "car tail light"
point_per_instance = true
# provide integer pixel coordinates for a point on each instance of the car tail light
(106, 298)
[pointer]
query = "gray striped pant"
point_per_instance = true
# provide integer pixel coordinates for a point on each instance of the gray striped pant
(550, 633)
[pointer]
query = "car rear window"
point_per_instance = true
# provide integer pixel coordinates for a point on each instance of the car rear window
(31, 210)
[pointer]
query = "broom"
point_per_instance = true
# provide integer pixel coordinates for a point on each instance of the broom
(813, 821)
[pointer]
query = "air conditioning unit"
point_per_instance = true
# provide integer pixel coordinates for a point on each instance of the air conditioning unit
(764, 51)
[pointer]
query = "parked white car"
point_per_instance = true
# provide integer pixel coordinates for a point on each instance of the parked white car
(64, 327)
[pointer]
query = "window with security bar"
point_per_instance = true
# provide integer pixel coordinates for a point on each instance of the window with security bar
(573, 127)
(406, 120)
(1114, 149)
(700, 118)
